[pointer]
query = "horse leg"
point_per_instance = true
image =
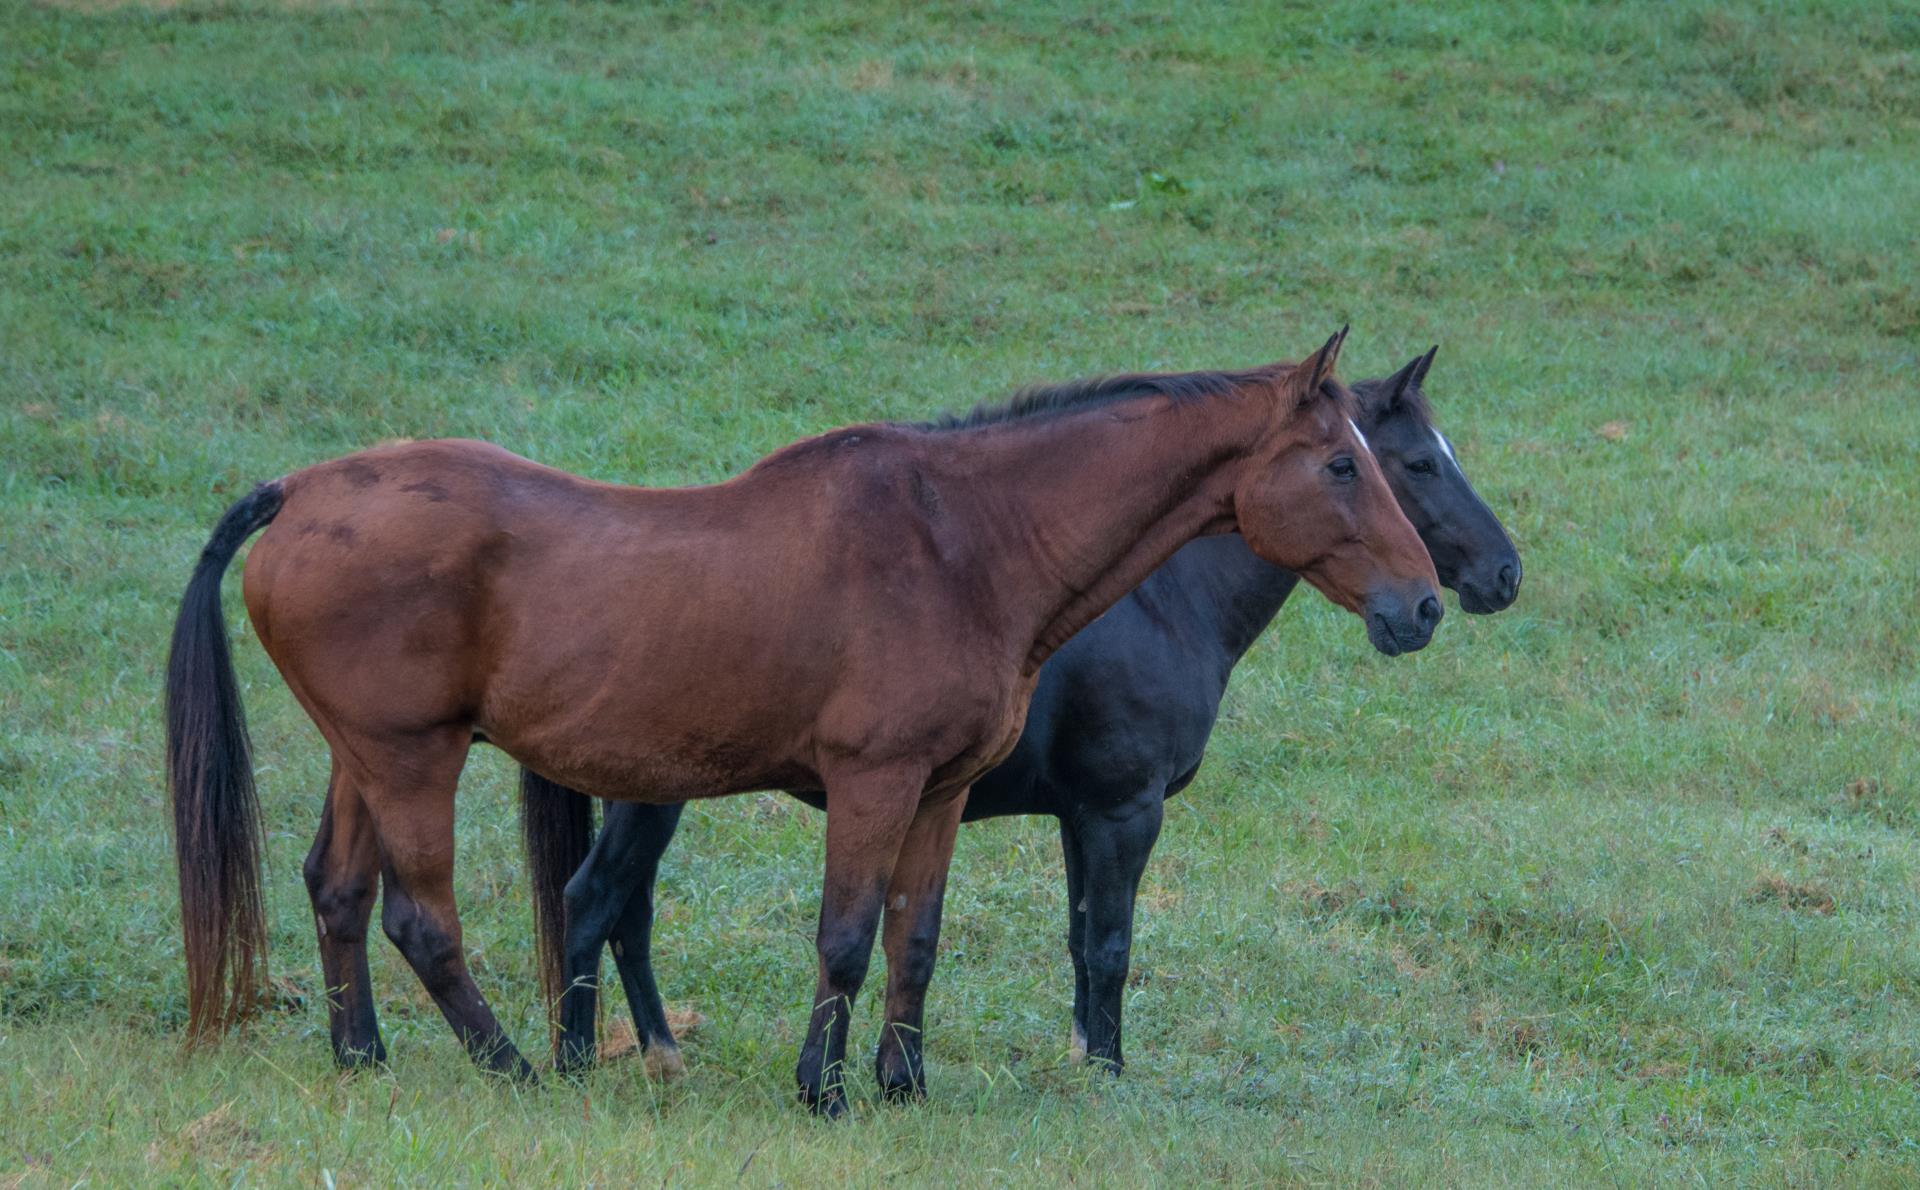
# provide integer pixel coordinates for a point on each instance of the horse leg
(342, 872)
(1114, 847)
(413, 808)
(1076, 936)
(911, 939)
(868, 814)
(625, 856)
(633, 944)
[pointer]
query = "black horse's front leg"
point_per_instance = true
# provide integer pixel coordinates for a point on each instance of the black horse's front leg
(1076, 936)
(1114, 847)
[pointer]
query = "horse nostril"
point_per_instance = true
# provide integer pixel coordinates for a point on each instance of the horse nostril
(1509, 582)
(1429, 612)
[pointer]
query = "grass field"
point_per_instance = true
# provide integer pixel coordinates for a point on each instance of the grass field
(1621, 885)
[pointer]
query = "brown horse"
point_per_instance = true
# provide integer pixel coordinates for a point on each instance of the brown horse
(864, 612)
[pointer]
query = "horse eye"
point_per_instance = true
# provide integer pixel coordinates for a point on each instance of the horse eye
(1343, 468)
(1421, 467)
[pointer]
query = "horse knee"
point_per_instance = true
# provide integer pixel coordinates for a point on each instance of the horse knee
(843, 956)
(1108, 958)
(432, 949)
(341, 906)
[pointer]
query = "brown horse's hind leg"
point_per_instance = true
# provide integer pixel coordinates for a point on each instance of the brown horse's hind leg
(415, 816)
(867, 818)
(342, 871)
(911, 937)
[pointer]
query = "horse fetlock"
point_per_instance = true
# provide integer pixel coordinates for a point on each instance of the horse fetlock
(574, 1055)
(825, 1092)
(901, 1072)
(350, 1057)
(663, 1063)
(496, 1055)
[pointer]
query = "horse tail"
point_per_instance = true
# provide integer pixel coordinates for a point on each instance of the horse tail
(556, 824)
(216, 816)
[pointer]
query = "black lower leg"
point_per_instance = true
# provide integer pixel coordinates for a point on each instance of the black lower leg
(340, 871)
(1076, 936)
(821, 1072)
(432, 949)
(633, 949)
(611, 889)
(1114, 850)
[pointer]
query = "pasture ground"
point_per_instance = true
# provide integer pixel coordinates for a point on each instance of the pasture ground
(1618, 886)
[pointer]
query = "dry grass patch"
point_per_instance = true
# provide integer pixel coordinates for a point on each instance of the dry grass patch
(1772, 886)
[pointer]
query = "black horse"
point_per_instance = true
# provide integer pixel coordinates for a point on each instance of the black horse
(1119, 723)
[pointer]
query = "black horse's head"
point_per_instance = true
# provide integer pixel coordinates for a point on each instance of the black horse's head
(1471, 551)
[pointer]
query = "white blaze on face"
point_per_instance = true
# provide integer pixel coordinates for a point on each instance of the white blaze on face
(1360, 436)
(1446, 448)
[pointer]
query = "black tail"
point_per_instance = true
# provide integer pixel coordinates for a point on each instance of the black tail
(557, 824)
(216, 818)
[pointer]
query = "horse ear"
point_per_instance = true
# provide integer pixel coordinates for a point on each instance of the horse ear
(1396, 385)
(1424, 362)
(1318, 366)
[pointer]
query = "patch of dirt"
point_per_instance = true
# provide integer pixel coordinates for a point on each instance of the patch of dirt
(1613, 431)
(620, 1040)
(872, 74)
(1319, 898)
(218, 1136)
(1772, 886)
(685, 1022)
(1780, 836)
(1406, 965)
(1518, 1037)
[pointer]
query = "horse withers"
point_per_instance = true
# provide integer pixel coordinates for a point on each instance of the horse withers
(865, 612)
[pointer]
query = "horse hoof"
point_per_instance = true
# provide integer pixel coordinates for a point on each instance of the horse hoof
(574, 1060)
(828, 1105)
(352, 1061)
(904, 1092)
(663, 1063)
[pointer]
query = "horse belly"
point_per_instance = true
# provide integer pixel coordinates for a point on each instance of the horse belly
(645, 736)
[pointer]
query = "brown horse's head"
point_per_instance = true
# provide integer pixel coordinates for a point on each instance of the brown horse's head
(1316, 502)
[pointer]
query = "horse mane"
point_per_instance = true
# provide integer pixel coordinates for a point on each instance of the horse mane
(1368, 395)
(1047, 400)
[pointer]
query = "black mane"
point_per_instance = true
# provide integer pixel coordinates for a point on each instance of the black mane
(1368, 394)
(1044, 400)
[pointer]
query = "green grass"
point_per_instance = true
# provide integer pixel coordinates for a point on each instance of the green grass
(1617, 886)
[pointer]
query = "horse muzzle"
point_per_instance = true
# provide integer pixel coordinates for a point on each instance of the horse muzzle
(1398, 624)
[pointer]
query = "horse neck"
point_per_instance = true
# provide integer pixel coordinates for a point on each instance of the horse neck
(1230, 593)
(1087, 504)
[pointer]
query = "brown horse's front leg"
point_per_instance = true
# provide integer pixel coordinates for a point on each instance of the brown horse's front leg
(868, 814)
(911, 938)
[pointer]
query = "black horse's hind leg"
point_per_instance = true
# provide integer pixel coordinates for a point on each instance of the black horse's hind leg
(342, 873)
(1076, 936)
(611, 897)
(646, 831)
(1114, 846)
